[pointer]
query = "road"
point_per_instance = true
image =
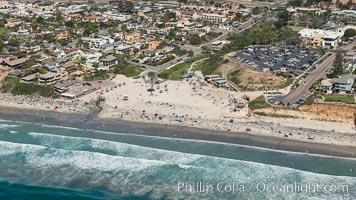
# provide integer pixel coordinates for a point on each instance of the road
(318, 73)
(163, 66)
(197, 50)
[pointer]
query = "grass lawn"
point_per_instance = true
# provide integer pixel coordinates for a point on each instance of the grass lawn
(131, 71)
(260, 102)
(210, 65)
(340, 98)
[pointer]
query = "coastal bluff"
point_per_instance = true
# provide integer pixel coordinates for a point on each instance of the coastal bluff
(321, 112)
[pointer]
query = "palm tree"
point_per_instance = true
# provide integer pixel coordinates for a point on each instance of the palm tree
(152, 76)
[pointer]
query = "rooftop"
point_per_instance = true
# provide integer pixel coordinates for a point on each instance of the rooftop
(346, 79)
(109, 58)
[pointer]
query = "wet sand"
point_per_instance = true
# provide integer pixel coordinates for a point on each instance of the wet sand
(119, 126)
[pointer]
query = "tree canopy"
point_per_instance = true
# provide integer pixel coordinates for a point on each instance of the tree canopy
(338, 65)
(349, 33)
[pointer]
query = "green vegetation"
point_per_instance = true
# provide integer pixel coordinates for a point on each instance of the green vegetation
(131, 70)
(258, 103)
(262, 34)
(98, 75)
(289, 80)
(212, 35)
(309, 100)
(179, 52)
(9, 83)
(196, 40)
(349, 99)
(349, 33)
(176, 72)
(234, 77)
(210, 65)
(165, 60)
(32, 89)
(261, 114)
(338, 65)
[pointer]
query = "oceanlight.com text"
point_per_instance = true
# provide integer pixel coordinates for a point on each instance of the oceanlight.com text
(237, 187)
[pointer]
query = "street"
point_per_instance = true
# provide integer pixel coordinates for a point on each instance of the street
(316, 74)
(197, 50)
(303, 88)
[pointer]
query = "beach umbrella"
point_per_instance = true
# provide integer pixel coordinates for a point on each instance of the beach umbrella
(231, 120)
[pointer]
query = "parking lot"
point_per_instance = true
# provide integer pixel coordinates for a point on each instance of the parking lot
(277, 58)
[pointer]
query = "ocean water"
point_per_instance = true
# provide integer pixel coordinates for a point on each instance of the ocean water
(53, 162)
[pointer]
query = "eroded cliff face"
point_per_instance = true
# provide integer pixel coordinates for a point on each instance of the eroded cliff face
(323, 112)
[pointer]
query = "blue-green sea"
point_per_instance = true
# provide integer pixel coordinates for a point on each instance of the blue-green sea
(44, 162)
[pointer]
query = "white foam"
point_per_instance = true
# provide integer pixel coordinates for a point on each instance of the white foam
(140, 152)
(60, 167)
(61, 127)
(226, 144)
(13, 132)
(7, 126)
(131, 150)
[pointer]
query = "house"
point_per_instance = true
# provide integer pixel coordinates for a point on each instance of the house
(109, 61)
(49, 78)
(151, 53)
(331, 40)
(152, 45)
(23, 32)
(91, 59)
(344, 84)
(107, 47)
(73, 52)
(62, 36)
(100, 43)
(164, 31)
(122, 49)
(31, 47)
(74, 16)
(69, 67)
(12, 22)
(15, 63)
(78, 90)
(64, 86)
(182, 22)
(132, 38)
(91, 19)
(14, 74)
(350, 55)
(213, 17)
(326, 86)
(350, 65)
(52, 65)
(151, 30)
(30, 78)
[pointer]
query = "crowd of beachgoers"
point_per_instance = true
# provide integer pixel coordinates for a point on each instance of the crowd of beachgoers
(42, 103)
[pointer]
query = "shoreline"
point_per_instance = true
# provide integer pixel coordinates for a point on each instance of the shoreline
(83, 121)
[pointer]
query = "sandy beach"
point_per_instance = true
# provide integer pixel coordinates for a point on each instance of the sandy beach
(194, 104)
(173, 131)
